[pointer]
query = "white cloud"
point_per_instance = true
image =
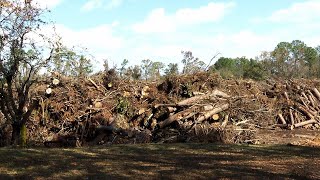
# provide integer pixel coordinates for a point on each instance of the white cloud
(301, 12)
(97, 4)
(92, 4)
(211, 13)
(158, 21)
(100, 41)
(96, 38)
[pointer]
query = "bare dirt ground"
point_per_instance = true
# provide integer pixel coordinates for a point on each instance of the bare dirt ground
(163, 161)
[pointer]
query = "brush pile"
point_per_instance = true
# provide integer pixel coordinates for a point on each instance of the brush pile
(203, 107)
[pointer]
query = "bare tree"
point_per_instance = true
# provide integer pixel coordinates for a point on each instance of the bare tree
(21, 58)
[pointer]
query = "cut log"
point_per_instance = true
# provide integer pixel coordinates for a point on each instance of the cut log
(175, 117)
(126, 94)
(98, 105)
(55, 81)
(93, 83)
(190, 115)
(314, 99)
(216, 110)
(198, 93)
(215, 117)
(171, 109)
(141, 111)
(145, 91)
(287, 97)
(48, 91)
(225, 121)
(291, 127)
(291, 117)
(242, 122)
(311, 101)
(207, 107)
(283, 121)
(311, 121)
(305, 96)
(304, 101)
(306, 112)
(215, 93)
(153, 124)
(193, 99)
(219, 94)
(316, 93)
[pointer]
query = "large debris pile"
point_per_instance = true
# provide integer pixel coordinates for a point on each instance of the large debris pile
(203, 107)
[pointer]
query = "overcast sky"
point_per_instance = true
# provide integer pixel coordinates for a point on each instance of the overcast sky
(160, 29)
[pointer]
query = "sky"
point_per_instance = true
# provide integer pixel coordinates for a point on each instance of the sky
(160, 30)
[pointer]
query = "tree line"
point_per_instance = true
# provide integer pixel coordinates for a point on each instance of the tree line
(288, 60)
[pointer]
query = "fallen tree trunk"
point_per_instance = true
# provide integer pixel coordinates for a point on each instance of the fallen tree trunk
(306, 112)
(212, 112)
(282, 119)
(215, 93)
(312, 121)
(317, 93)
(291, 116)
(175, 117)
(225, 121)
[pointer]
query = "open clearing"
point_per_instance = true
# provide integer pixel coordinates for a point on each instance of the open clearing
(162, 161)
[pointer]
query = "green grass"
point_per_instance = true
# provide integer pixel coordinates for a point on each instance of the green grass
(162, 161)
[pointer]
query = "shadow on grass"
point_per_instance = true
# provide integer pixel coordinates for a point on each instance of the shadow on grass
(163, 161)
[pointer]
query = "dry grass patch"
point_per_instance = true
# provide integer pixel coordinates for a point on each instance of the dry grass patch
(177, 161)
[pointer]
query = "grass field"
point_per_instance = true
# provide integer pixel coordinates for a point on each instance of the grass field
(162, 161)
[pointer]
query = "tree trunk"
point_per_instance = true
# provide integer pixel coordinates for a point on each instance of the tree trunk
(19, 134)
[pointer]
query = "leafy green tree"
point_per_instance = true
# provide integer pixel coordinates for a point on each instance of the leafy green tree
(310, 60)
(151, 70)
(318, 50)
(155, 70)
(227, 67)
(294, 59)
(134, 72)
(254, 69)
(225, 63)
(298, 51)
(282, 57)
(123, 67)
(267, 62)
(240, 68)
(83, 67)
(146, 66)
(172, 69)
